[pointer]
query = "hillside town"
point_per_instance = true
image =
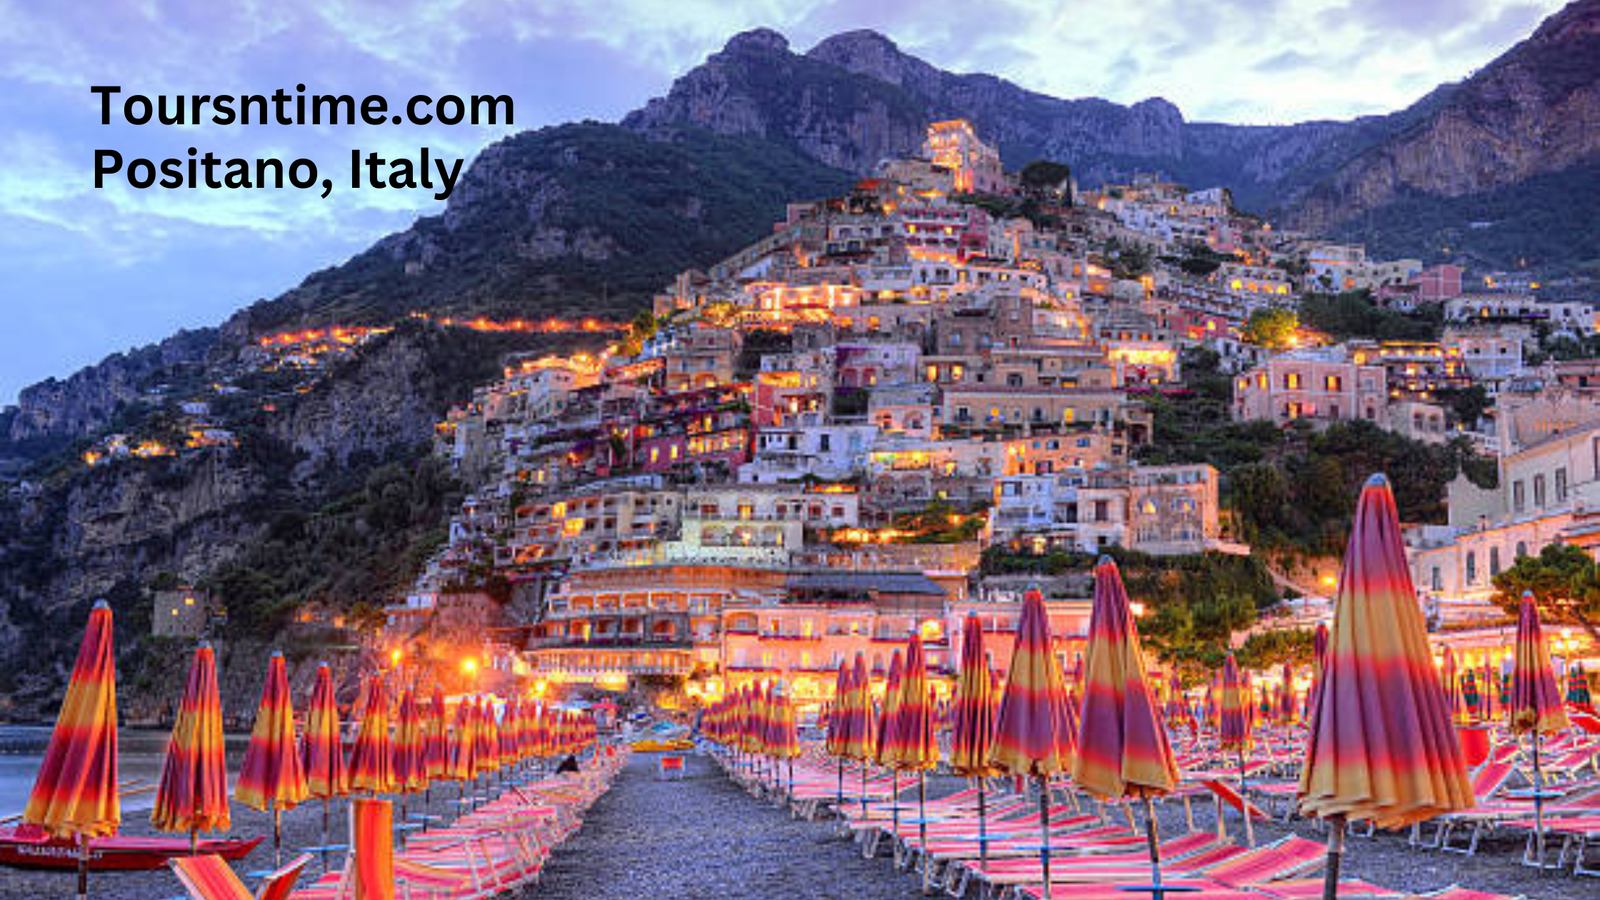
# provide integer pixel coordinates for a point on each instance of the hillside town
(811, 448)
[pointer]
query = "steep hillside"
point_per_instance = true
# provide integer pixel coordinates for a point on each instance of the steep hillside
(588, 217)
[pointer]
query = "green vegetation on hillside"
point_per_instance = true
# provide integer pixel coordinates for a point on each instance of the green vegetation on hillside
(586, 217)
(1546, 223)
(1193, 604)
(1352, 314)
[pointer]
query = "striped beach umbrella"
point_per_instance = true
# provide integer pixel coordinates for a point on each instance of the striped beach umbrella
(463, 743)
(1178, 713)
(1381, 746)
(410, 746)
(889, 713)
(322, 747)
(75, 793)
(1122, 746)
(271, 777)
(372, 758)
(486, 755)
(436, 737)
(1536, 707)
(1287, 708)
(1235, 725)
(856, 721)
(1452, 685)
(915, 747)
(192, 795)
(837, 738)
(972, 732)
(511, 734)
(1319, 656)
(1033, 736)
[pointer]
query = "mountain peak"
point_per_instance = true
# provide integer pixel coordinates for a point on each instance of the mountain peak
(865, 52)
(757, 40)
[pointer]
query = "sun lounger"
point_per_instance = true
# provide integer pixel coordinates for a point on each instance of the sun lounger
(209, 877)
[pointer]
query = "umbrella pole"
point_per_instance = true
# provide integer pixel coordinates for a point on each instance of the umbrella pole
(1330, 879)
(983, 825)
(894, 805)
(1244, 804)
(194, 841)
(839, 806)
(1154, 838)
(325, 802)
(863, 789)
(1044, 832)
(922, 825)
(277, 835)
(83, 867)
(1538, 802)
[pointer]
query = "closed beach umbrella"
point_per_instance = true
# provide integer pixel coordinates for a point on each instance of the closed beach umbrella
(857, 722)
(837, 738)
(1286, 704)
(410, 746)
(192, 795)
(436, 755)
(915, 748)
(1536, 706)
(889, 712)
(372, 757)
(973, 729)
(1234, 731)
(1319, 656)
(462, 742)
(322, 746)
(1452, 688)
(1122, 747)
(271, 776)
(486, 755)
(75, 792)
(1033, 736)
(1381, 745)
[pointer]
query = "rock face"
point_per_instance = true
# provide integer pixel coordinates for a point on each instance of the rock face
(89, 398)
(1534, 110)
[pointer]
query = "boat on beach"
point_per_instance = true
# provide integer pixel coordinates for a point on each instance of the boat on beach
(30, 847)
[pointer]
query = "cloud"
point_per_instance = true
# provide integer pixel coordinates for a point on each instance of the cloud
(1282, 61)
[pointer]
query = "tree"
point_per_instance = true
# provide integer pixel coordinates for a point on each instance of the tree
(1565, 582)
(1272, 327)
(1266, 649)
(1044, 176)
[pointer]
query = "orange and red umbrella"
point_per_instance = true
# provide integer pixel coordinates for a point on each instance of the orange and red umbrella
(192, 795)
(889, 713)
(1122, 745)
(271, 776)
(1452, 689)
(915, 748)
(322, 745)
(1129, 755)
(972, 733)
(1033, 731)
(75, 792)
(1536, 706)
(1381, 745)
(1536, 703)
(833, 742)
(973, 730)
(1234, 719)
(436, 757)
(410, 746)
(372, 757)
(464, 742)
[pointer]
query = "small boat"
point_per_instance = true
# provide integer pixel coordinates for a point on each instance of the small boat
(28, 847)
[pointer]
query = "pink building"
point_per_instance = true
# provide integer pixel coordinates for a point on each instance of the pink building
(1439, 283)
(1320, 383)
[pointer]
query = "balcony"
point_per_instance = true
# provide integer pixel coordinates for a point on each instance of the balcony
(630, 641)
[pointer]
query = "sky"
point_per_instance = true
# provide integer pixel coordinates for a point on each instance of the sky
(85, 272)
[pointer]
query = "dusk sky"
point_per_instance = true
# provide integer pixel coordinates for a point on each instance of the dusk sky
(88, 272)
